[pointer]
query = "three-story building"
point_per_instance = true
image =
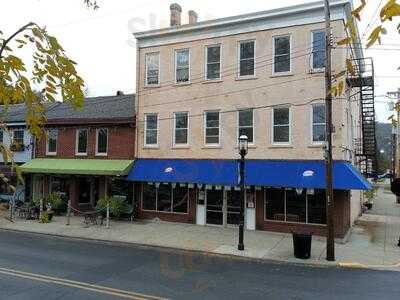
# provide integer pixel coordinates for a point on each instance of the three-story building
(202, 85)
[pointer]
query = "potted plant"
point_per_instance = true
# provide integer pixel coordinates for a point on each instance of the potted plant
(370, 196)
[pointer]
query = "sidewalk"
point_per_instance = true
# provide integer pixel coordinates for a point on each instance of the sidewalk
(368, 246)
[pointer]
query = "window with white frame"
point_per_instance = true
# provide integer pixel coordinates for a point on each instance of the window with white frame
(281, 125)
(182, 65)
(166, 198)
(213, 66)
(51, 147)
(246, 124)
(101, 141)
(153, 68)
(212, 127)
(247, 58)
(181, 130)
(18, 137)
(318, 49)
(81, 141)
(282, 59)
(151, 130)
(318, 123)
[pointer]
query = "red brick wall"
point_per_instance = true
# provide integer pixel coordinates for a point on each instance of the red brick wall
(121, 143)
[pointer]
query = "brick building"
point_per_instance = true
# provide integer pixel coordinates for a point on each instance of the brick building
(85, 151)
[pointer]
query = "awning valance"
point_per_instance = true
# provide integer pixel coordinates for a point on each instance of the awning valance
(268, 173)
(108, 167)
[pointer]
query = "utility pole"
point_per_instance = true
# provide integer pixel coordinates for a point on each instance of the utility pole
(330, 241)
(396, 163)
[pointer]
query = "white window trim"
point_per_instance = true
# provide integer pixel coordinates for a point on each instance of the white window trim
(97, 142)
(253, 125)
(255, 60)
(47, 143)
(317, 143)
(175, 145)
(290, 53)
(77, 142)
(290, 127)
(176, 65)
(206, 62)
(145, 131)
(207, 145)
(159, 70)
(316, 70)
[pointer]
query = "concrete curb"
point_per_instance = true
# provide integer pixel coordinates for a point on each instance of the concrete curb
(320, 264)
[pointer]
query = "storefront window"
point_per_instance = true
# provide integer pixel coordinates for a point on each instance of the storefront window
(298, 206)
(275, 204)
(149, 197)
(164, 198)
(317, 207)
(181, 199)
(60, 186)
(122, 189)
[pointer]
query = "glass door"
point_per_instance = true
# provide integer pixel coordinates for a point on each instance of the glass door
(233, 207)
(215, 203)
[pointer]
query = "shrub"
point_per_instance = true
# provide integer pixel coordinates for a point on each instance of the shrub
(117, 207)
(44, 218)
(54, 199)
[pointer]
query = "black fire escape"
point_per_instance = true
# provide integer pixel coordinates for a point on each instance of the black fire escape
(362, 90)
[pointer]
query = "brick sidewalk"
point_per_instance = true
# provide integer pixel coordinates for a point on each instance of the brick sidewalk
(368, 245)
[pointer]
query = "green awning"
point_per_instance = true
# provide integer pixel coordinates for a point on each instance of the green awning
(109, 167)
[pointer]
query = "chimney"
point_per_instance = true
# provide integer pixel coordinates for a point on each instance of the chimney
(193, 17)
(176, 11)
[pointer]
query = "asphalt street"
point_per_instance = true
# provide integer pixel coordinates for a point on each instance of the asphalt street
(42, 267)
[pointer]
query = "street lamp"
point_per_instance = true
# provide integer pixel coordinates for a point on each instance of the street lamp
(243, 147)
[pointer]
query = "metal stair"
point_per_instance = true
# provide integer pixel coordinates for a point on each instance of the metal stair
(363, 83)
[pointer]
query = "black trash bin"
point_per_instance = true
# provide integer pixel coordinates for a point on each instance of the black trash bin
(302, 245)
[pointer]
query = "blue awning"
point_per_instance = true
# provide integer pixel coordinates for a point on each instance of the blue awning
(213, 172)
(303, 174)
(269, 173)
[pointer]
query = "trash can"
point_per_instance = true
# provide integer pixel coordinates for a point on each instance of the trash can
(302, 245)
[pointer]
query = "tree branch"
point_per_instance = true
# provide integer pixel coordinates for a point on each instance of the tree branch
(23, 28)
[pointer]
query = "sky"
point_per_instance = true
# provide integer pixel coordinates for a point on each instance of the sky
(102, 43)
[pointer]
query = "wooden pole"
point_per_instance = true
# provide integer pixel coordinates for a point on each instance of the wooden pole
(330, 242)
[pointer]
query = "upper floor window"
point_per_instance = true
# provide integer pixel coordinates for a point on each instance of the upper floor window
(318, 49)
(281, 125)
(213, 66)
(181, 128)
(152, 68)
(282, 60)
(182, 65)
(101, 141)
(212, 127)
(247, 58)
(1, 136)
(318, 123)
(246, 125)
(51, 147)
(81, 141)
(151, 130)
(18, 137)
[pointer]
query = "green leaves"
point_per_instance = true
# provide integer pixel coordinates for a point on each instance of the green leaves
(376, 35)
(390, 10)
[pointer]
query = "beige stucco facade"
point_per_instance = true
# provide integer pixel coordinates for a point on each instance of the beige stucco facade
(299, 90)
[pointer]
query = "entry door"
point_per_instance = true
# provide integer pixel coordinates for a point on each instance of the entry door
(233, 207)
(215, 204)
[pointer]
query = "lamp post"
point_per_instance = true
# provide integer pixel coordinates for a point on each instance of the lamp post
(243, 147)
